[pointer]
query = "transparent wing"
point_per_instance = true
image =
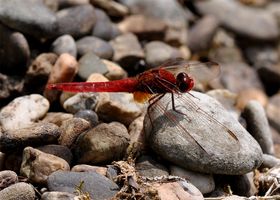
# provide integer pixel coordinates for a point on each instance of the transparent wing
(202, 72)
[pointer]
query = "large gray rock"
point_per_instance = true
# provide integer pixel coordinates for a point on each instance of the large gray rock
(29, 16)
(201, 136)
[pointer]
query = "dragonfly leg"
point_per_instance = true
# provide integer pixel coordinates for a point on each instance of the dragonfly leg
(177, 111)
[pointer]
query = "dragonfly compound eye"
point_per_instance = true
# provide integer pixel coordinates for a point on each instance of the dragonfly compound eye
(184, 82)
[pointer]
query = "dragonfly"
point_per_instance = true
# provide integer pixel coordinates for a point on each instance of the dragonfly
(175, 76)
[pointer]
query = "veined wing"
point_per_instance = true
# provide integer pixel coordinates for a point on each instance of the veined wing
(202, 72)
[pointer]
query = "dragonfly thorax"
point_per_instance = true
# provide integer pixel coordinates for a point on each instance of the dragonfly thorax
(184, 82)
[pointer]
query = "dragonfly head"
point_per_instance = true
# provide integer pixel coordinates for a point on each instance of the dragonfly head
(184, 82)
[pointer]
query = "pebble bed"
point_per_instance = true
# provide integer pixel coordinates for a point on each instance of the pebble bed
(60, 145)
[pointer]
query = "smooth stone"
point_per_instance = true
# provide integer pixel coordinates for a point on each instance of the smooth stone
(204, 182)
(64, 44)
(15, 52)
(171, 12)
(89, 168)
(57, 118)
(57, 196)
(71, 129)
(76, 21)
(7, 178)
(88, 115)
(118, 107)
(127, 50)
(273, 111)
(96, 145)
(270, 161)
(38, 72)
(81, 101)
(148, 28)
(205, 138)
(177, 190)
(115, 72)
(21, 190)
(103, 27)
(225, 49)
(227, 99)
(23, 111)
(58, 150)
(113, 8)
(98, 186)
(34, 135)
(158, 52)
(238, 76)
(90, 63)
(236, 17)
(148, 167)
(257, 125)
(200, 36)
(37, 165)
(64, 70)
(99, 47)
(40, 23)
(251, 94)
(9, 86)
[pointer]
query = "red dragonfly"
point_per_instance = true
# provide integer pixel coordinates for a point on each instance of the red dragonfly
(174, 76)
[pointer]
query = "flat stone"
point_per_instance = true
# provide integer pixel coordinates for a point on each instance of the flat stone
(204, 182)
(98, 186)
(270, 161)
(238, 76)
(23, 111)
(158, 52)
(202, 136)
(17, 14)
(64, 44)
(103, 27)
(76, 21)
(90, 63)
(115, 72)
(34, 135)
(57, 117)
(99, 47)
(236, 17)
(128, 50)
(97, 144)
(118, 107)
(58, 150)
(89, 168)
(169, 11)
(257, 125)
(148, 28)
(201, 35)
(37, 165)
(71, 129)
